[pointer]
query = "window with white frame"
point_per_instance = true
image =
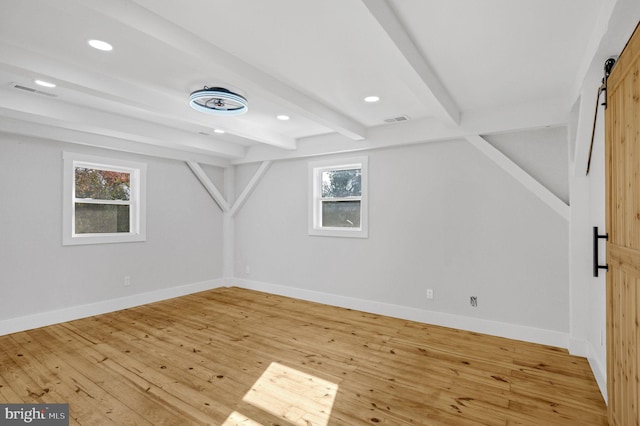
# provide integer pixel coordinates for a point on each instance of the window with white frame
(104, 200)
(338, 198)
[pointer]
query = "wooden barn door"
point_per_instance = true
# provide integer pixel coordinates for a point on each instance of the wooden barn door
(622, 141)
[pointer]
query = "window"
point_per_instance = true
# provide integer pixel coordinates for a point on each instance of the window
(338, 198)
(104, 200)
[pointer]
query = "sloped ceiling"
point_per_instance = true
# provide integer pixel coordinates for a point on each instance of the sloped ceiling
(453, 68)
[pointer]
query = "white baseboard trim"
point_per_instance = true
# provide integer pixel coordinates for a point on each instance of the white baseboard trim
(599, 371)
(42, 319)
(495, 328)
(578, 347)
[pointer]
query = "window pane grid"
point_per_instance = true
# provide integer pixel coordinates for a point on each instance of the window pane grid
(338, 198)
(104, 201)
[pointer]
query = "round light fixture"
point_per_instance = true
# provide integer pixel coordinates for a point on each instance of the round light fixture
(218, 101)
(219, 131)
(372, 99)
(283, 117)
(101, 45)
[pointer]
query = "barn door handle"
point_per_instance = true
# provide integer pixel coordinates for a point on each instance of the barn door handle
(596, 237)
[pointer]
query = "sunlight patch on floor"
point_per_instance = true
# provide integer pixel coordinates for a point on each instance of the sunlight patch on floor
(237, 419)
(297, 397)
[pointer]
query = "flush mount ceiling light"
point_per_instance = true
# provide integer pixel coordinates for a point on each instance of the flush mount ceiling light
(283, 117)
(371, 99)
(218, 101)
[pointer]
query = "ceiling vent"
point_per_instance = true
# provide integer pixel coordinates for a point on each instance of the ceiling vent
(396, 119)
(32, 90)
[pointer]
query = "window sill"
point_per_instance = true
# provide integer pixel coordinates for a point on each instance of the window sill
(103, 239)
(337, 232)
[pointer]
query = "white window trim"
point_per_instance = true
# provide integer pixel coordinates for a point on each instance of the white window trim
(315, 195)
(138, 199)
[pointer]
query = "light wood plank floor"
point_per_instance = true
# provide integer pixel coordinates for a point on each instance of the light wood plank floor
(231, 356)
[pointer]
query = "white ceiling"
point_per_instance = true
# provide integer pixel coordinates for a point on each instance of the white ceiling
(453, 67)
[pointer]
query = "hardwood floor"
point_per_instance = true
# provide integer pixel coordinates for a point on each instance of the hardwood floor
(231, 356)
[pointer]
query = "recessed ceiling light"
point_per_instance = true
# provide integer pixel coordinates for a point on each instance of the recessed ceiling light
(219, 131)
(372, 99)
(101, 45)
(44, 83)
(283, 117)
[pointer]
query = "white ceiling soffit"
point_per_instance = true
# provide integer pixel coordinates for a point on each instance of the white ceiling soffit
(454, 68)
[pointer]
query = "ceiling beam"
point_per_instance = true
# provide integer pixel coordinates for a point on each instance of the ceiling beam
(433, 87)
(39, 109)
(550, 113)
(544, 113)
(205, 54)
(21, 128)
(154, 104)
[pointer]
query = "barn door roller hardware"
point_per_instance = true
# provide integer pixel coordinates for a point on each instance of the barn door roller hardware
(608, 66)
(596, 237)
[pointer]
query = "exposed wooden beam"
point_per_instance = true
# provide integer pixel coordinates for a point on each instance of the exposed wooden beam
(40, 109)
(433, 87)
(545, 113)
(257, 176)
(487, 121)
(131, 97)
(206, 54)
(43, 131)
(209, 186)
(535, 187)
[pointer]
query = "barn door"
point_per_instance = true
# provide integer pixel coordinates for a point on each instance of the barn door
(622, 141)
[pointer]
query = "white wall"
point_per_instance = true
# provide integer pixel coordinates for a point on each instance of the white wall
(597, 324)
(39, 275)
(442, 216)
(588, 293)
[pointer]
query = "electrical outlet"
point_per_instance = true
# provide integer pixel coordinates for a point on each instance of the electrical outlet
(127, 281)
(247, 270)
(429, 293)
(474, 301)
